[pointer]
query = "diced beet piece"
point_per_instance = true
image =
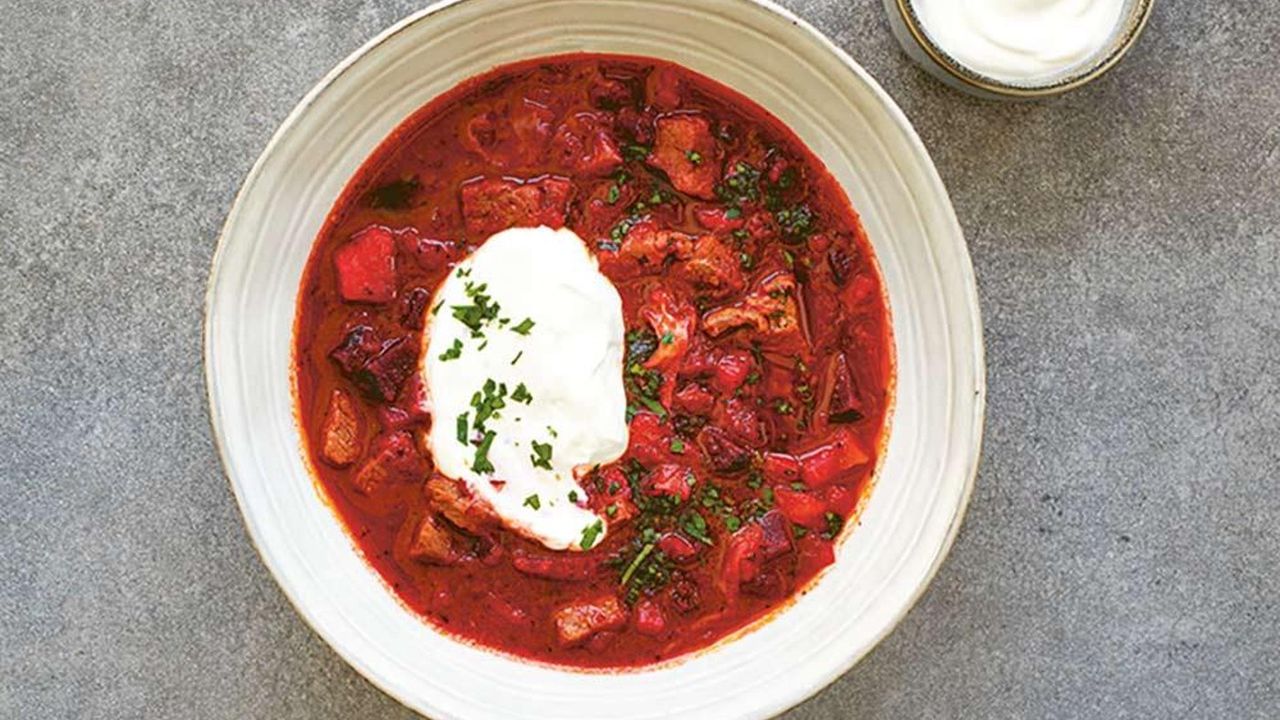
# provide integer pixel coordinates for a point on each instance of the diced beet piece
(432, 543)
(577, 622)
(684, 148)
(609, 93)
(678, 547)
(801, 508)
(382, 376)
(684, 594)
(731, 370)
(846, 402)
(812, 554)
(724, 455)
(413, 308)
(777, 534)
(366, 266)
(741, 560)
(340, 431)
(573, 567)
(841, 499)
(694, 399)
(430, 254)
(743, 422)
(841, 264)
(669, 480)
(649, 618)
(392, 459)
(491, 205)
(663, 88)
(584, 146)
(359, 345)
(825, 464)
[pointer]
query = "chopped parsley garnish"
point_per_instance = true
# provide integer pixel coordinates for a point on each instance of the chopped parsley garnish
(732, 523)
(612, 509)
(524, 327)
(552, 431)
(590, 533)
(454, 352)
(746, 261)
(521, 394)
(614, 193)
(462, 428)
(796, 223)
(516, 359)
(743, 184)
(733, 213)
(533, 502)
(480, 312)
(541, 457)
(668, 338)
(436, 310)
(694, 156)
(481, 463)
(789, 257)
(783, 407)
(696, 526)
(573, 496)
(677, 446)
(636, 563)
(834, 524)
(635, 152)
(488, 402)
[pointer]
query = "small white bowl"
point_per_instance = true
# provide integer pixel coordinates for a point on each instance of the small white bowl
(927, 470)
(920, 47)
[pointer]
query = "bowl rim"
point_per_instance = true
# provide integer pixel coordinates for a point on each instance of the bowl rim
(974, 80)
(786, 699)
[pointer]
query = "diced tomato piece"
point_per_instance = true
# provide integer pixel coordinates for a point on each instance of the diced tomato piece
(781, 468)
(826, 463)
(393, 458)
(577, 622)
(717, 219)
(490, 205)
(650, 439)
(366, 266)
(724, 454)
(801, 508)
(812, 554)
(841, 499)
(575, 567)
(340, 432)
(614, 492)
(731, 370)
(582, 145)
(649, 618)
(669, 480)
(678, 547)
(694, 399)
(685, 149)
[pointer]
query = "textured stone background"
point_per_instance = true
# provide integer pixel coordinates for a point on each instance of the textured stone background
(1120, 557)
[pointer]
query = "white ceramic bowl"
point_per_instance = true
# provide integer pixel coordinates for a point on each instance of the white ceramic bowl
(843, 115)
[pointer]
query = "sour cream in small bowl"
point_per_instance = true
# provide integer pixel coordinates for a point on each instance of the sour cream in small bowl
(1017, 49)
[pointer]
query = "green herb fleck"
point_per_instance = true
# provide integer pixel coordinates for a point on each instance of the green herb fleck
(521, 394)
(481, 463)
(541, 457)
(533, 502)
(590, 533)
(694, 156)
(694, 524)
(454, 352)
(677, 446)
(462, 428)
(524, 327)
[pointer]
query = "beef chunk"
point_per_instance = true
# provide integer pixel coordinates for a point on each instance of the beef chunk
(572, 567)
(392, 459)
(686, 151)
(383, 375)
(432, 543)
(584, 146)
(714, 268)
(340, 432)
(456, 503)
(770, 312)
(577, 622)
(491, 205)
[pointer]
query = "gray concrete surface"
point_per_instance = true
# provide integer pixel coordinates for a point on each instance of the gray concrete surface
(1120, 557)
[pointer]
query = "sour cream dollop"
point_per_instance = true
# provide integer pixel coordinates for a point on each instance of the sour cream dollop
(1021, 41)
(522, 367)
